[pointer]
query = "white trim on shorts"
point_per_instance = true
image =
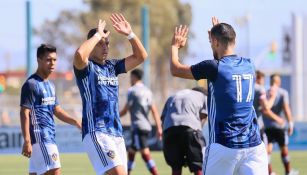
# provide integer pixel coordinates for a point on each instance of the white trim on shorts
(45, 157)
(105, 151)
(222, 160)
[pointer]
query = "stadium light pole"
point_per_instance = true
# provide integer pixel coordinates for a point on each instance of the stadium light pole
(145, 38)
(29, 37)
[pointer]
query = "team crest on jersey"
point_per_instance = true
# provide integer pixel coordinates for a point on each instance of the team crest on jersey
(111, 154)
(54, 157)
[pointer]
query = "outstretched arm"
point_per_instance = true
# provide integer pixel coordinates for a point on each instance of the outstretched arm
(63, 116)
(83, 52)
(122, 26)
(179, 41)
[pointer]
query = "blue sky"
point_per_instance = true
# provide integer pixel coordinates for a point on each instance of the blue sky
(12, 33)
(267, 19)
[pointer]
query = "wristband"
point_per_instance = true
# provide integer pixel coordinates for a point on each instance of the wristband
(98, 36)
(131, 36)
(291, 124)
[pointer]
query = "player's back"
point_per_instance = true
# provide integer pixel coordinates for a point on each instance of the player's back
(183, 108)
(140, 101)
(232, 119)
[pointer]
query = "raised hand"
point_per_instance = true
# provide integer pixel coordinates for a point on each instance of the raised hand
(120, 24)
(180, 36)
(101, 27)
(215, 21)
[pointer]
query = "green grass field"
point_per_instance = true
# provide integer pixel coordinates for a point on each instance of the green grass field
(78, 164)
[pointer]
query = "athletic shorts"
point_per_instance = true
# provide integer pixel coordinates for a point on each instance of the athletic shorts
(45, 157)
(183, 146)
(105, 151)
(277, 135)
(139, 139)
(221, 160)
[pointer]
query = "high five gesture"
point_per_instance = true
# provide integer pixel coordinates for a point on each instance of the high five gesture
(180, 36)
(120, 24)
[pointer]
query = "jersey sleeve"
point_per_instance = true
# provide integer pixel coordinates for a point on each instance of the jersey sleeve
(27, 95)
(119, 66)
(285, 97)
(205, 70)
(56, 101)
(80, 74)
(150, 98)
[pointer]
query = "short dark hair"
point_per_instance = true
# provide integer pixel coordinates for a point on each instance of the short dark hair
(272, 77)
(92, 32)
(200, 89)
(224, 33)
(138, 73)
(259, 74)
(44, 49)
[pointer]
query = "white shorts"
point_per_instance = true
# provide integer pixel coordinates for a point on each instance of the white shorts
(222, 160)
(45, 157)
(105, 151)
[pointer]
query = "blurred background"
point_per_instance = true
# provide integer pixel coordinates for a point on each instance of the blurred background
(272, 33)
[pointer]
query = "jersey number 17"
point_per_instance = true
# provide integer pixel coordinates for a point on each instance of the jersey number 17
(239, 79)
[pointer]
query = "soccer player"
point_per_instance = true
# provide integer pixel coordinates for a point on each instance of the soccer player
(182, 118)
(139, 103)
(276, 132)
(97, 80)
(38, 105)
(263, 106)
(235, 146)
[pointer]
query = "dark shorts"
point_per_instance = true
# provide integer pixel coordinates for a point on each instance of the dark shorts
(183, 146)
(277, 135)
(139, 139)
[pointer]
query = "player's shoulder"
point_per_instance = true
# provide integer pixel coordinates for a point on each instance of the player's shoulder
(237, 59)
(283, 91)
(31, 82)
(260, 88)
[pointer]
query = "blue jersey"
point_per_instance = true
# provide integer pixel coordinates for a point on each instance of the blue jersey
(98, 85)
(39, 96)
(232, 118)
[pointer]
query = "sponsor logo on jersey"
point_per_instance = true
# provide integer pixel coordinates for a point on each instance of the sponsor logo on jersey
(48, 101)
(107, 81)
(111, 154)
